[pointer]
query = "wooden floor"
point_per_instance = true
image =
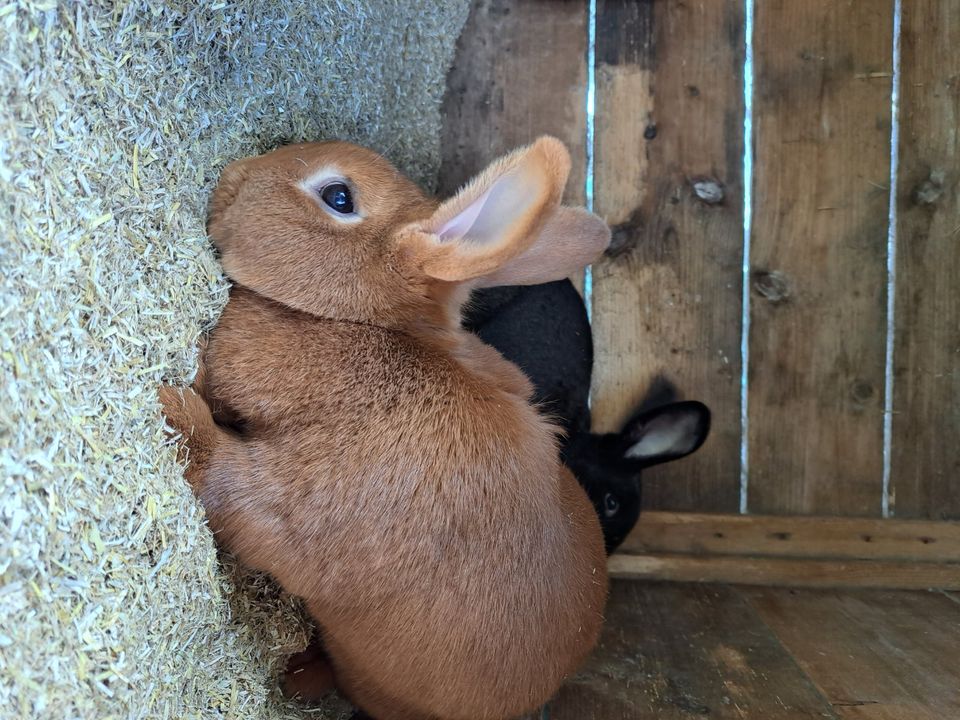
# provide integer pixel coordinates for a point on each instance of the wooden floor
(682, 651)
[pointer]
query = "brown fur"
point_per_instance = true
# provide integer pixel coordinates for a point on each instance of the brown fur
(389, 467)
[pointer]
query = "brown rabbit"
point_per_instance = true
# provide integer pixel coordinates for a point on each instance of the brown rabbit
(376, 459)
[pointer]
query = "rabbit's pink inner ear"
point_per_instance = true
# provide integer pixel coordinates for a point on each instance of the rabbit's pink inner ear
(569, 240)
(459, 225)
(496, 216)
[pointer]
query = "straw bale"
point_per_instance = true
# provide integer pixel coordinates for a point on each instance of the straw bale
(114, 123)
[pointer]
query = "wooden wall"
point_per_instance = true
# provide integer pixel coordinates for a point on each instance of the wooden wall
(668, 176)
(925, 479)
(667, 299)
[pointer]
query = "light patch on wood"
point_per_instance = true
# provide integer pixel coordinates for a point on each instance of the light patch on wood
(630, 364)
(622, 91)
(730, 658)
(666, 298)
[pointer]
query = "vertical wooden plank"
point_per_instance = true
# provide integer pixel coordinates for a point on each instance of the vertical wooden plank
(666, 300)
(875, 655)
(519, 72)
(685, 652)
(818, 260)
(925, 472)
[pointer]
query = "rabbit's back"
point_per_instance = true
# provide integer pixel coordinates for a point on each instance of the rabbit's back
(426, 513)
(373, 426)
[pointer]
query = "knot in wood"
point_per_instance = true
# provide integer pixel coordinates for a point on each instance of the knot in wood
(772, 285)
(708, 190)
(930, 190)
(624, 236)
(861, 390)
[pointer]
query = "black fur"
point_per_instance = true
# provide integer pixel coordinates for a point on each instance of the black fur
(545, 330)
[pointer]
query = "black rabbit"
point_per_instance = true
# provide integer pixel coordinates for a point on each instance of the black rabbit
(545, 330)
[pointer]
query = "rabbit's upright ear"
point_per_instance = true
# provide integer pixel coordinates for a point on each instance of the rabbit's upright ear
(495, 218)
(569, 240)
(665, 433)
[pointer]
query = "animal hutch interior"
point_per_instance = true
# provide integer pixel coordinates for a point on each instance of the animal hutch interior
(782, 182)
(781, 179)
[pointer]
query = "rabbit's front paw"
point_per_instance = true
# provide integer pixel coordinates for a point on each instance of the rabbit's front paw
(189, 424)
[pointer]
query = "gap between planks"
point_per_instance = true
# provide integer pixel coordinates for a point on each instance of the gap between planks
(875, 655)
(787, 572)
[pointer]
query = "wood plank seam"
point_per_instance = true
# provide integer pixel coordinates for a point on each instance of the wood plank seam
(951, 596)
(786, 572)
(876, 655)
(789, 653)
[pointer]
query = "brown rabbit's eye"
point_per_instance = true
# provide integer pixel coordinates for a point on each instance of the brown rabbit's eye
(337, 197)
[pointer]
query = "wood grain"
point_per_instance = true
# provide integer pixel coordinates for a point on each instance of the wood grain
(818, 257)
(787, 572)
(875, 655)
(519, 72)
(673, 652)
(666, 300)
(925, 476)
(797, 536)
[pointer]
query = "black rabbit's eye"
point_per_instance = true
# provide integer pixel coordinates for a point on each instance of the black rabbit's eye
(611, 506)
(337, 197)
